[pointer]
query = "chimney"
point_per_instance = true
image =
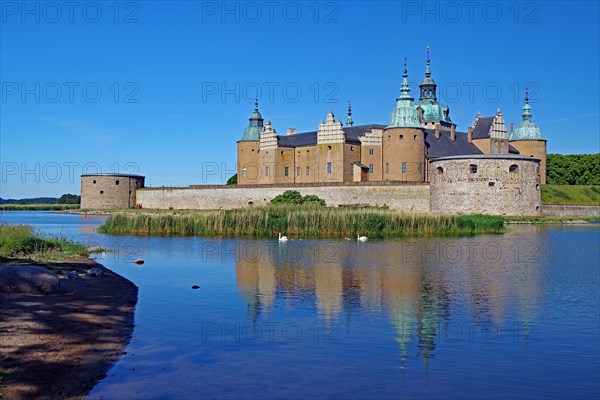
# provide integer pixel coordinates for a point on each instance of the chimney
(453, 132)
(291, 131)
(470, 135)
(437, 130)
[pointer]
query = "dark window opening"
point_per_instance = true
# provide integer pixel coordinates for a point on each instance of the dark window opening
(473, 168)
(491, 183)
(440, 170)
(102, 192)
(513, 168)
(117, 182)
(94, 181)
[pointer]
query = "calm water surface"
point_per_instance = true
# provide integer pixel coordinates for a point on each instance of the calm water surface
(513, 315)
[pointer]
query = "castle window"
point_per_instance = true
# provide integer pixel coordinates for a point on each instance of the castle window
(329, 168)
(102, 192)
(253, 150)
(538, 170)
(282, 152)
(537, 187)
(351, 148)
(403, 167)
(387, 168)
(371, 152)
(286, 171)
(491, 183)
(130, 192)
(266, 170)
(513, 168)
(328, 147)
(401, 137)
(440, 170)
(415, 137)
(420, 168)
(307, 171)
(297, 171)
(94, 181)
(370, 168)
(244, 171)
(473, 168)
(117, 182)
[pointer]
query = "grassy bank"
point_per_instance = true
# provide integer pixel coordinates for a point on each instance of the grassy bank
(301, 222)
(570, 194)
(20, 241)
(38, 207)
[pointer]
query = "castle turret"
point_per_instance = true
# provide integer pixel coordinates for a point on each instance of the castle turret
(404, 115)
(527, 138)
(247, 149)
(431, 110)
(404, 140)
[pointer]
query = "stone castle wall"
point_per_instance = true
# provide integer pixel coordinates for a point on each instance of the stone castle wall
(486, 184)
(570, 210)
(109, 191)
(401, 197)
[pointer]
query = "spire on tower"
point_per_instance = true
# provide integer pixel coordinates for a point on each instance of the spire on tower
(349, 121)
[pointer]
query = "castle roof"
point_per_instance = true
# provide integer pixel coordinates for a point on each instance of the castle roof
(442, 147)
(527, 129)
(255, 126)
(482, 127)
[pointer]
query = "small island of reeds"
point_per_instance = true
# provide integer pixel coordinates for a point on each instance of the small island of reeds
(301, 221)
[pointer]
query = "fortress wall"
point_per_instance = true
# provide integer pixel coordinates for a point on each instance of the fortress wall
(570, 210)
(500, 185)
(401, 197)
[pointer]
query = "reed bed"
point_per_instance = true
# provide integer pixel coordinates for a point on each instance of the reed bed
(301, 221)
(21, 241)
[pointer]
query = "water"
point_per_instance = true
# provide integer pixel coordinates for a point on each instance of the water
(513, 315)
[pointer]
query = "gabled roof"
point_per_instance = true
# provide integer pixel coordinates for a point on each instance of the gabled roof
(482, 128)
(310, 138)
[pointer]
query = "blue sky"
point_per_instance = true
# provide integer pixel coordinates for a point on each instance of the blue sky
(165, 89)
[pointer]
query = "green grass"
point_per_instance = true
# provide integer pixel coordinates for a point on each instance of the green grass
(301, 222)
(38, 207)
(570, 194)
(20, 241)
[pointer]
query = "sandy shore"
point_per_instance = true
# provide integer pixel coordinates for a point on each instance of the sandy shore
(60, 346)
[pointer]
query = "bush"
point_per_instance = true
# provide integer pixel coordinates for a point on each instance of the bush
(294, 197)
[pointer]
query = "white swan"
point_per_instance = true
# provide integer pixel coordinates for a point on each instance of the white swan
(361, 238)
(282, 238)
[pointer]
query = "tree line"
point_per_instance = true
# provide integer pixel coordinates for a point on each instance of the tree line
(573, 169)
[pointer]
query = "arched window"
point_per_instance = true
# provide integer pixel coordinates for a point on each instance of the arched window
(473, 168)
(440, 170)
(513, 168)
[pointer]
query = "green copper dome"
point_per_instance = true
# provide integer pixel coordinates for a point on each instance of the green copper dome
(255, 127)
(527, 130)
(405, 114)
(432, 109)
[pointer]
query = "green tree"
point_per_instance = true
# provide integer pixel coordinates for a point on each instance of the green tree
(69, 199)
(232, 180)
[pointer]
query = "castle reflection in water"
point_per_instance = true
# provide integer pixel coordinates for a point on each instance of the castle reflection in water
(430, 289)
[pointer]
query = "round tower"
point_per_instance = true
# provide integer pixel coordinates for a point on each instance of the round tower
(404, 140)
(527, 138)
(248, 170)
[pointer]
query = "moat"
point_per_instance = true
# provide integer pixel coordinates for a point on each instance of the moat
(492, 316)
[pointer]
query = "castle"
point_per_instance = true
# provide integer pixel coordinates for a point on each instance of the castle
(401, 151)
(418, 163)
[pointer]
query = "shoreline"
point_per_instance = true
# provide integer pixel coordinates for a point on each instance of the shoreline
(62, 345)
